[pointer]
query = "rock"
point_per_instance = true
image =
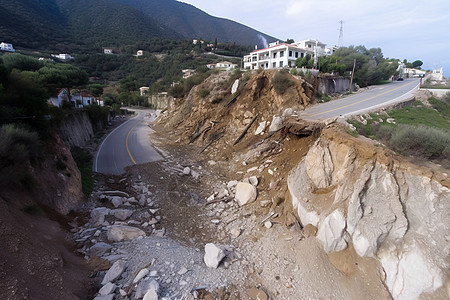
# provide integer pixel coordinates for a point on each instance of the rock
(107, 289)
(114, 272)
(235, 232)
(210, 198)
(186, 171)
(153, 292)
(257, 294)
(153, 274)
(99, 249)
(117, 233)
(268, 224)
(213, 255)
(261, 128)
(245, 193)
(98, 215)
(277, 124)
(122, 214)
(195, 175)
(231, 184)
(235, 86)
(144, 286)
(142, 273)
(183, 271)
(309, 230)
(253, 180)
(122, 293)
(117, 201)
(331, 232)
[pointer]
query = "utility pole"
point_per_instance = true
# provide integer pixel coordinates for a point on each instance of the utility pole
(341, 34)
(351, 78)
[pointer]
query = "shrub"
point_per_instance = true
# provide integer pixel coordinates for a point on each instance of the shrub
(293, 71)
(281, 82)
(203, 93)
(420, 141)
(84, 163)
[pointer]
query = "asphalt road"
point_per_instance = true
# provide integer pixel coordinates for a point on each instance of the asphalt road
(374, 98)
(125, 146)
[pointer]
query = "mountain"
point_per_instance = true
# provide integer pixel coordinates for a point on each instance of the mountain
(79, 25)
(193, 23)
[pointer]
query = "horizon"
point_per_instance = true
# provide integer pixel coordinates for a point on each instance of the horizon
(401, 30)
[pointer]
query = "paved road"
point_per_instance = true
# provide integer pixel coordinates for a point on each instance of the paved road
(126, 145)
(374, 98)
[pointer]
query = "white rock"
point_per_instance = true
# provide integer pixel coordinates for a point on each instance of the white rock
(107, 289)
(154, 211)
(261, 128)
(195, 175)
(231, 184)
(252, 169)
(253, 180)
(122, 293)
(245, 193)
(183, 271)
(142, 273)
(235, 86)
(268, 224)
(153, 274)
(119, 233)
(122, 214)
(153, 291)
(105, 297)
(186, 171)
(331, 232)
(114, 272)
(270, 171)
(277, 124)
(213, 255)
(210, 198)
(235, 232)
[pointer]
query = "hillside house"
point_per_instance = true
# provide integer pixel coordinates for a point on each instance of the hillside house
(139, 53)
(187, 73)
(411, 72)
(7, 47)
(143, 90)
(58, 97)
(63, 56)
(108, 51)
(84, 98)
(282, 55)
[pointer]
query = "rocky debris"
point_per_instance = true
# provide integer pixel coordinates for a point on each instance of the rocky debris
(245, 193)
(213, 255)
(257, 294)
(122, 214)
(98, 215)
(105, 297)
(99, 249)
(117, 233)
(116, 270)
(142, 273)
(107, 289)
(153, 291)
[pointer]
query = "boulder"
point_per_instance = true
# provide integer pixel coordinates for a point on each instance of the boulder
(186, 171)
(213, 255)
(117, 201)
(98, 215)
(142, 273)
(253, 180)
(117, 233)
(331, 232)
(114, 272)
(107, 289)
(245, 193)
(122, 214)
(277, 124)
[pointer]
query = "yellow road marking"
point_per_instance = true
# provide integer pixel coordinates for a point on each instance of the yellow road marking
(364, 100)
(126, 141)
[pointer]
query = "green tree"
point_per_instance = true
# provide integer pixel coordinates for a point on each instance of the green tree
(417, 64)
(290, 41)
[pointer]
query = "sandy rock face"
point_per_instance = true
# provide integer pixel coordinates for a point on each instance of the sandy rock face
(393, 214)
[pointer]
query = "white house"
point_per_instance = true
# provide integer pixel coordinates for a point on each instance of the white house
(108, 51)
(280, 55)
(139, 53)
(62, 56)
(143, 90)
(187, 73)
(411, 72)
(58, 97)
(83, 98)
(7, 47)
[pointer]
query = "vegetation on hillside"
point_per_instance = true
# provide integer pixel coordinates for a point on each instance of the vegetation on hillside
(418, 130)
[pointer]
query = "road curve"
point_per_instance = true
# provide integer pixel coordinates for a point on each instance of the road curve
(126, 145)
(374, 98)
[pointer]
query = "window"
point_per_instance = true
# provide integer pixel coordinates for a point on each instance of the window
(281, 64)
(290, 53)
(302, 54)
(274, 55)
(281, 53)
(274, 65)
(296, 54)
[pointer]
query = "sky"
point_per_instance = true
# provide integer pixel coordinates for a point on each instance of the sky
(403, 29)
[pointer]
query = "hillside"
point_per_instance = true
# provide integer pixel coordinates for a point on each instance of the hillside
(71, 26)
(192, 22)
